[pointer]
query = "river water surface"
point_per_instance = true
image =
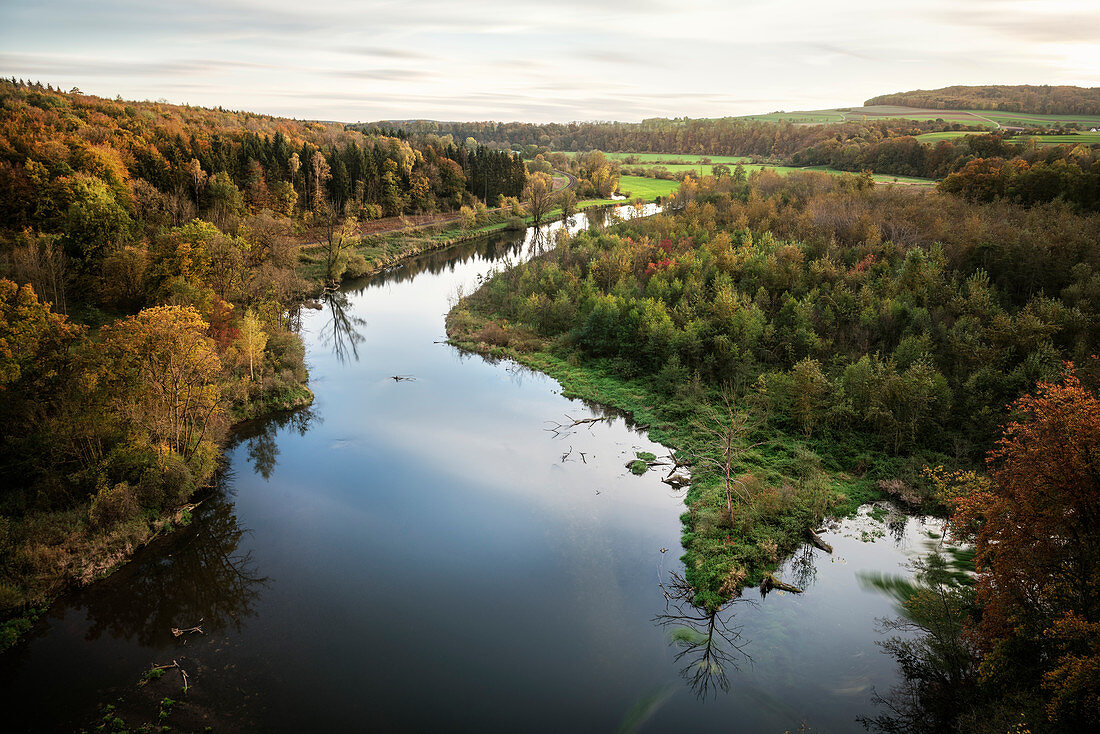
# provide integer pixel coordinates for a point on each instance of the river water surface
(422, 555)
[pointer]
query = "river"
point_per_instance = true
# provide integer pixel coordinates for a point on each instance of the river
(423, 555)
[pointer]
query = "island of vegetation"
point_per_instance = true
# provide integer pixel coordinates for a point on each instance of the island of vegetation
(809, 342)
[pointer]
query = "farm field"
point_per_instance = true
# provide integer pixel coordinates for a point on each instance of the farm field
(984, 118)
(1073, 139)
(634, 184)
(1084, 138)
(947, 135)
(638, 187)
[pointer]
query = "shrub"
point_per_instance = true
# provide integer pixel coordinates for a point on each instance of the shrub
(112, 505)
(493, 334)
(357, 266)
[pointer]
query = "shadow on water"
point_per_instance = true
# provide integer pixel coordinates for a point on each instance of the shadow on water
(491, 248)
(205, 576)
(341, 333)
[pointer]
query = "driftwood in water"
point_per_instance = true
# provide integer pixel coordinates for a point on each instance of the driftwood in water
(176, 632)
(819, 543)
(770, 582)
(565, 428)
(403, 378)
(677, 480)
(174, 664)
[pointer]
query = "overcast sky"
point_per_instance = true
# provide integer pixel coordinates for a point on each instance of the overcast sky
(560, 60)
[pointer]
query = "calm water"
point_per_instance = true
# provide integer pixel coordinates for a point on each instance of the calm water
(423, 555)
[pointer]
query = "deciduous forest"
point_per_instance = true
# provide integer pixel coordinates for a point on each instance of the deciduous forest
(150, 255)
(804, 343)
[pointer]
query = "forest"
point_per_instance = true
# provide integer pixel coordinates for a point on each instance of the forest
(150, 285)
(808, 342)
(1027, 98)
(981, 165)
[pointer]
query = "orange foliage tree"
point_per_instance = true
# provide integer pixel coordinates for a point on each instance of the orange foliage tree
(169, 368)
(1036, 529)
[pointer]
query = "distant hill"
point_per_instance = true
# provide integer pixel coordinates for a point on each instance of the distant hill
(1041, 100)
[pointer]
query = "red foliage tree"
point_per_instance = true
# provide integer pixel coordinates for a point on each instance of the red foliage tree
(1036, 528)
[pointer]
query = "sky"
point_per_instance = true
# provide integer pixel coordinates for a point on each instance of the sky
(366, 60)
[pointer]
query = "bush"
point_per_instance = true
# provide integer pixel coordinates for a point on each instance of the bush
(357, 266)
(168, 483)
(113, 505)
(515, 224)
(493, 334)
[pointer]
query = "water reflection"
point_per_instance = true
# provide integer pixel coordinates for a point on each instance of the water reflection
(494, 247)
(206, 577)
(260, 437)
(341, 332)
(709, 643)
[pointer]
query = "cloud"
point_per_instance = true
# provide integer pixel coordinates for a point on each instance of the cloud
(521, 59)
(385, 53)
(386, 75)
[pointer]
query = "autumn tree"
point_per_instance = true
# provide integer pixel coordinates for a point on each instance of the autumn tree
(167, 370)
(1036, 528)
(252, 342)
(35, 356)
(567, 200)
(340, 239)
(809, 391)
(538, 195)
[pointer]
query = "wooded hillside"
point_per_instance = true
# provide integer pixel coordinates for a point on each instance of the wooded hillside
(1039, 100)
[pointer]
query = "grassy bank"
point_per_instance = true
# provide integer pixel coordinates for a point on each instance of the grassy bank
(377, 253)
(791, 483)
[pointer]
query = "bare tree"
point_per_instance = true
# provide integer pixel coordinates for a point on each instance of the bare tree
(729, 431)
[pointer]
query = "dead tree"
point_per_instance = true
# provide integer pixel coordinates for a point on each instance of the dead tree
(729, 430)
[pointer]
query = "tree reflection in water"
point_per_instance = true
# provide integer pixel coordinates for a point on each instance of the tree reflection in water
(259, 437)
(341, 331)
(707, 640)
(205, 576)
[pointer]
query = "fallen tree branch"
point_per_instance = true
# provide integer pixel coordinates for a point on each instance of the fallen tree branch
(556, 427)
(819, 543)
(676, 480)
(169, 666)
(177, 632)
(770, 582)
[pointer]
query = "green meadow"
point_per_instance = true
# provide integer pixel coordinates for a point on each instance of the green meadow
(638, 187)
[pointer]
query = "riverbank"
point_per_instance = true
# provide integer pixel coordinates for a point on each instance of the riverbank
(63, 550)
(788, 488)
(376, 253)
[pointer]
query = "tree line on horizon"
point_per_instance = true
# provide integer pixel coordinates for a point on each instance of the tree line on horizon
(1041, 99)
(981, 165)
